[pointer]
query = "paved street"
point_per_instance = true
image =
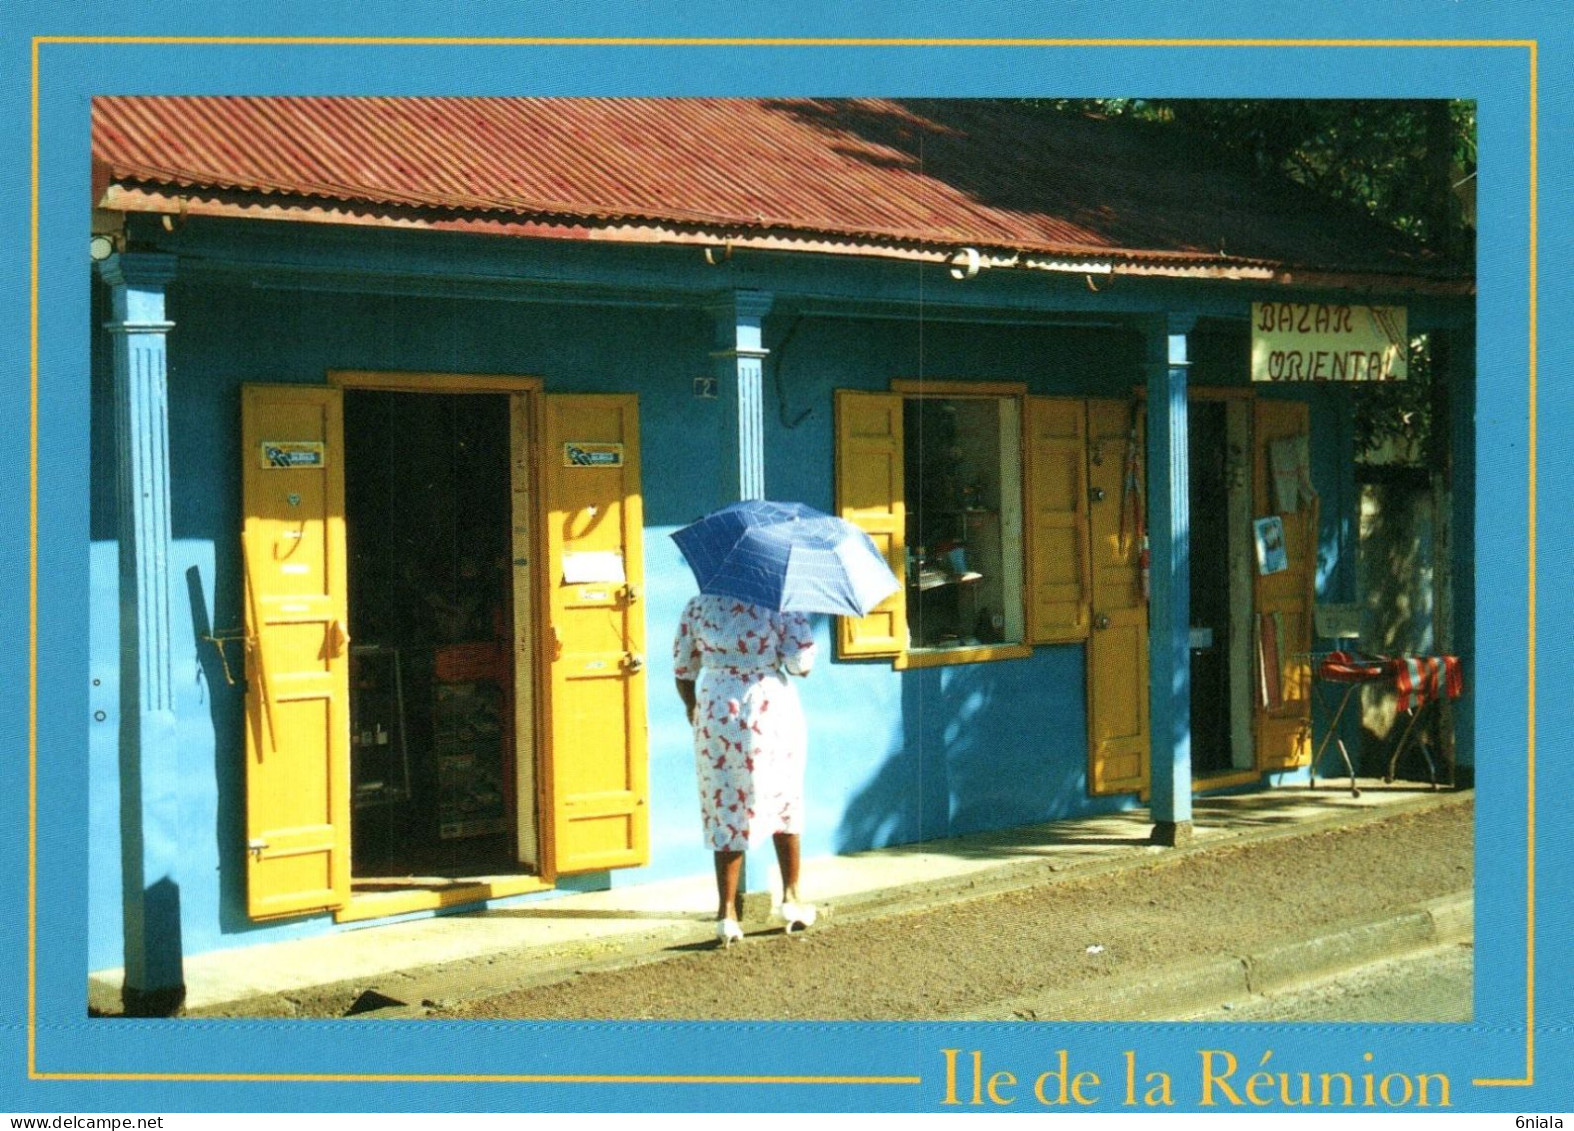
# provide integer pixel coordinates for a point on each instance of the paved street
(1017, 955)
(1429, 985)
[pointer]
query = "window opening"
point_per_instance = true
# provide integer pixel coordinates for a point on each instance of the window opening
(963, 485)
(428, 526)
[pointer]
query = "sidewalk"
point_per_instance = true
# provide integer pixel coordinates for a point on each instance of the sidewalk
(382, 970)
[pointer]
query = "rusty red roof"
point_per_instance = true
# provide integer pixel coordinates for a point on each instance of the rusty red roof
(860, 174)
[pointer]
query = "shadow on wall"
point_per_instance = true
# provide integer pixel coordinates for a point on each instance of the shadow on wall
(223, 667)
(1396, 584)
(982, 747)
(163, 991)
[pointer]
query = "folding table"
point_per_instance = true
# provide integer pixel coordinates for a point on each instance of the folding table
(1418, 681)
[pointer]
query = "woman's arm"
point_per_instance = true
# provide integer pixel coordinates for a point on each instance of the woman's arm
(686, 657)
(686, 693)
(796, 643)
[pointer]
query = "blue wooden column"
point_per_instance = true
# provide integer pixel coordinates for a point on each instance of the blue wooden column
(739, 360)
(1169, 610)
(149, 761)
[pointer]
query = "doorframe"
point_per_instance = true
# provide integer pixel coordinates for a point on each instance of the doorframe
(376, 905)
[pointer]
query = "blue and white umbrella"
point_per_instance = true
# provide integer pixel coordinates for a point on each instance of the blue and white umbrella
(786, 556)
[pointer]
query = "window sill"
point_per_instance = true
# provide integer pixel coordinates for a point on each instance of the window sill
(978, 654)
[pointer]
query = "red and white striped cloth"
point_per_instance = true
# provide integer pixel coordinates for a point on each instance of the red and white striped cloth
(1416, 679)
(1420, 679)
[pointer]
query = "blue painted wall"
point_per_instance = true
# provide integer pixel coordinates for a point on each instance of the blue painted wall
(959, 749)
(895, 757)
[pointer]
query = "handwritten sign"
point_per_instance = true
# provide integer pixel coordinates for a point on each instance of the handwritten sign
(593, 566)
(1315, 341)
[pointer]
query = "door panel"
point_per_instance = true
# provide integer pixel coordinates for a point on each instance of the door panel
(870, 491)
(1058, 564)
(1284, 729)
(297, 697)
(1118, 640)
(596, 772)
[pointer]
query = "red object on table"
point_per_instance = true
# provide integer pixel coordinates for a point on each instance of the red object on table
(1420, 679)
(1417, 679)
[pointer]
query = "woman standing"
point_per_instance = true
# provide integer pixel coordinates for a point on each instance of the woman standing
(732, 661)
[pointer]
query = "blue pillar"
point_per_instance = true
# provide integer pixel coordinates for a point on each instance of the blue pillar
(739, 359)
(149, 762)
(1169, 611)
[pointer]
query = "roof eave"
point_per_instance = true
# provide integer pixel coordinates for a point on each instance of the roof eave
(722, 237)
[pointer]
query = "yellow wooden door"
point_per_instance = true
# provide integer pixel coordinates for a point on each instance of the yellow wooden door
(1057, 497)
(1284, 729)
(595, 771)
(1118, 641)
(870, 494)
(297, 667)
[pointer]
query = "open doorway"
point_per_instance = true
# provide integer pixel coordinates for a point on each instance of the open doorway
(1219, 494)
(434, 749)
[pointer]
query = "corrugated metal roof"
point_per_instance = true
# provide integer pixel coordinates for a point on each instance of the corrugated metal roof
(982, 173)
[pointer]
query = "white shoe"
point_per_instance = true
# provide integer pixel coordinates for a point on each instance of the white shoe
(728, 932)
(799, 915)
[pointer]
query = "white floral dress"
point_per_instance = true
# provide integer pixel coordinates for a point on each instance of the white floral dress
(750, 742)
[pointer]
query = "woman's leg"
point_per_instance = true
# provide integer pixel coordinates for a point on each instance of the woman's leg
(729, 871)
(787, 852)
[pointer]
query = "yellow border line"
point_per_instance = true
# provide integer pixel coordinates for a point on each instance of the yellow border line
(711, 41)
(454, 1078)
(32, 607)
(1531, 45)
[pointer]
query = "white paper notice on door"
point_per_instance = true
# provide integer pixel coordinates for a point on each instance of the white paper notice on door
(590, 566)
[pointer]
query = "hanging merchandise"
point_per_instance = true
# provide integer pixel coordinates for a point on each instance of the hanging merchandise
(1130, 484)
(1131, 500)
(1268, 628)
(1272, 554)
(1290, 468)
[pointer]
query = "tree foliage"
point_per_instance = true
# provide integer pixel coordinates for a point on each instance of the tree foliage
(1409, 164)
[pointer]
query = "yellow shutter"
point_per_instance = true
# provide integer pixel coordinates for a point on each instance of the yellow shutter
(869, 492)
(1284, 732)
(1057, 506)
(1118, 642)
(297, 687)
(596, 776)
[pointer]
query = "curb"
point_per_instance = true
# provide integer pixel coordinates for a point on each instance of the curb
(1174, 991)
